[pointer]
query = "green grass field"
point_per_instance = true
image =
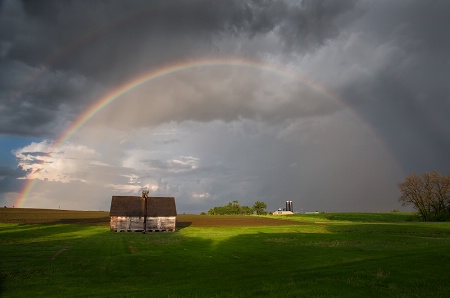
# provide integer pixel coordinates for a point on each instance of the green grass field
(328, 255)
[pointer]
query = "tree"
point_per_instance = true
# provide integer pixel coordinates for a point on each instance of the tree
(260, 208)
(429, 195)
(246, 210)
(232, 208)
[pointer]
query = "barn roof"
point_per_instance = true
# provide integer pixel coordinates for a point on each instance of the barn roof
(134, 206)
(161, 206)
(127, 206)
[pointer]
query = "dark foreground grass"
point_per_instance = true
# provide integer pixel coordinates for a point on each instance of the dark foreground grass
(311, 260)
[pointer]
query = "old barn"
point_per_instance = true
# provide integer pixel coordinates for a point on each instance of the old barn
(142, 214)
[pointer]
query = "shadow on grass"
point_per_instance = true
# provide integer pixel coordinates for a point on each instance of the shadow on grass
(39, 233)
(183, 224)
(2, 278)
(103, 221)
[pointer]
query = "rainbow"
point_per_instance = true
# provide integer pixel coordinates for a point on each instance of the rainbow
(160, 72)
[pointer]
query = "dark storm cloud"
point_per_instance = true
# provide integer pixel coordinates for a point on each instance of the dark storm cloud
(62, 54)
(416, 129)
(38, 101)
(407, 94)
(136, 35)
(9, 172)
(310, 25)
(9, 182)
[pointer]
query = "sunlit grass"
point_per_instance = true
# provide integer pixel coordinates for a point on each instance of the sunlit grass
(347, 217)
(222, 234)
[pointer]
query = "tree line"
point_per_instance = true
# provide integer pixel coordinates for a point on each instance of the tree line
(234, 208)
(429, 195)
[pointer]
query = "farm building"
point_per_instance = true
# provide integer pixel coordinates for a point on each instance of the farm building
(285, 211)
(142, 214)
(282, 212)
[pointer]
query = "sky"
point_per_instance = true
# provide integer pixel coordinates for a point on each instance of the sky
(328, 104)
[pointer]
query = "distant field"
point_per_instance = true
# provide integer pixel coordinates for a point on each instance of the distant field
(56, 253)
(54, 216)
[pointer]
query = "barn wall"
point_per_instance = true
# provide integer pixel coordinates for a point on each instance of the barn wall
(124, 223)
(161, 223)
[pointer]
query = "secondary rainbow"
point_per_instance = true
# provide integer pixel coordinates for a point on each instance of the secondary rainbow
(163, 71)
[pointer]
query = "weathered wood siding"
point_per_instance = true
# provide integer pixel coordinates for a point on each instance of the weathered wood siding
(126, 223)
(161, 223)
